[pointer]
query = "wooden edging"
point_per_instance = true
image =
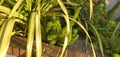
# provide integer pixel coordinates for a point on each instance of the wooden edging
(48, 50)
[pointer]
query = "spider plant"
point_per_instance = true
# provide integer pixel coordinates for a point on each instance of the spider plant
(89, 19)
(45, 20)
(105, 29)
(6, 30)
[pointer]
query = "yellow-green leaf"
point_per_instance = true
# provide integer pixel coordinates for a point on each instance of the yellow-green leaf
(5, 36)
(30, 35)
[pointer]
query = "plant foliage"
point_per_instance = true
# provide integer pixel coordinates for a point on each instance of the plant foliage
(59, 22)
(40, 20)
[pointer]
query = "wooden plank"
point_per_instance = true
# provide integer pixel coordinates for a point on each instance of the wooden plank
(21, 52)
(84, 55)
(48, 49)
(15, 51)
(70, 53)
(9, 51)
(78, 54)
(55, 52)
(44, 55)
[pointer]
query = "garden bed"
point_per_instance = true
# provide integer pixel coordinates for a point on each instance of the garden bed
(61, 23)
(48, 49)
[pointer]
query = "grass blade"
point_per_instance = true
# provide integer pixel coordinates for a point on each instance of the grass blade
(63, 7)
(91, 9)
(7, 10)
(77, 11)
(115, 30)
(81, 26)
(15, 8)
(38, 37)
(29, 4)
(66, 17)
(38, 32)
(66, 37)
(64, 46)
(6, 32)
(99, 39)
(30, 35)
(5, 36)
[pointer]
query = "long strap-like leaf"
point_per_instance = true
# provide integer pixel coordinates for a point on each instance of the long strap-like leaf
(15, 8)
(7, 10)
(5, 36)
(91, 9)
(38, 37)
(66, 17)
(99, 39)
(82, 27)
(30, 35)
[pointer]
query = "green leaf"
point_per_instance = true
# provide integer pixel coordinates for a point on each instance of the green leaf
(19, 2)
(91, 9)
(30, 35)
(51, 37)
(53, 41)
(99, 39)
(66, 17)
(115, 31)
(64, 46)
(29, 4)
(38, 36)
(5, 36)
(82, 27)
(116, 55)
(7, 10)
(74, 38)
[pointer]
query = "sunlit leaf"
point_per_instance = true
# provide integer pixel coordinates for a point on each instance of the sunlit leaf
(5, 36)
(91, 9)
(30, 35)
(19, 2)
(66, 17)
(38, 37)
(81, 26)
(7, 10)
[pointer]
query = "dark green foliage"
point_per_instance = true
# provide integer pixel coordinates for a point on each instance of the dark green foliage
(104, 25)
(112, 40)
(108, 30)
